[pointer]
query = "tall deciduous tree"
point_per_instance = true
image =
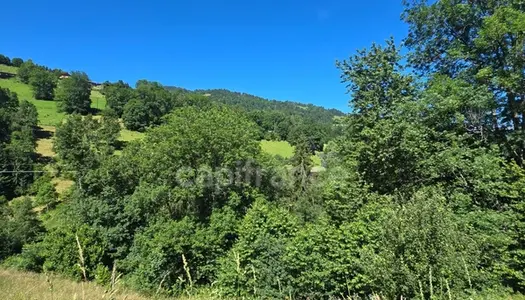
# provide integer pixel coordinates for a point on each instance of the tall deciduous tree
(17, 62)
(150, 102)
(4, 60)
(25, 70)
(74, 94)
(43, 84)
(118, 95)
(482, 42)
(384, 145)
(80, 142)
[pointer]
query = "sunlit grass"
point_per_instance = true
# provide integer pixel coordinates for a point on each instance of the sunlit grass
(8, 69)
(282, 148)
(285, 150)
(47, 110)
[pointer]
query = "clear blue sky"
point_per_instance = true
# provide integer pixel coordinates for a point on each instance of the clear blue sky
(282, 50)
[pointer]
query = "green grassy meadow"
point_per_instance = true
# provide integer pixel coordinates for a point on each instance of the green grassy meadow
(8, 69)
(47, 110)
(285, 150)
(282, 148)
(48, 115)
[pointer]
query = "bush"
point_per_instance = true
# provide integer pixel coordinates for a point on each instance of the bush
(254, 266)
(61, 251)
(19, 225)
(30, 259)
(102, 275)
(47, 195)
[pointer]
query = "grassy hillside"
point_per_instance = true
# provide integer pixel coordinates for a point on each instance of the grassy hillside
(8, 69)
(284, 149)
(16, 285)
(47, 110)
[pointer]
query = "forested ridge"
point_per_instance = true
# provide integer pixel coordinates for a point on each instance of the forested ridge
(281, 120)
(422, 197)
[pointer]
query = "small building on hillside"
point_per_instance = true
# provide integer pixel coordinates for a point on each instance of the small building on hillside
(64, 75)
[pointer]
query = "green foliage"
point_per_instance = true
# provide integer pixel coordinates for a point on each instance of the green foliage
(156, 258)
(46, 195)
(117, 95)
(254, 266)
(25, 70)
(150, 102)
(43, 84)
(17, 144)
(61, 251)
(74, 94)
(423, 248)
(102, 275)
(17, 62)
(422, 197)
(482, 43)
(18, 226)
(81, 142)
(29, 260)
(4, 60)
(302, 164)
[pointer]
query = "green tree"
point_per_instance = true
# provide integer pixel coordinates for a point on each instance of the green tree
(118, 95)
(135, 115)
(19, 226)
(25, 70)
(254, 266)
(4, 60)
(47, 195)
(150, 102)
(26, 117)
(81, 142)
(482, 43)
(74, 94)
(43, 84)
(61, 250)
(17, 62)
(302, 164)
(385, 145)
(8, 105)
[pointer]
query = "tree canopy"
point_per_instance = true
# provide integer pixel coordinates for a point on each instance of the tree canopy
(422, 195)
(74, 94)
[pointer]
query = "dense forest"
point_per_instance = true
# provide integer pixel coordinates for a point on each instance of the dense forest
(423, 196)
(279, 120)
